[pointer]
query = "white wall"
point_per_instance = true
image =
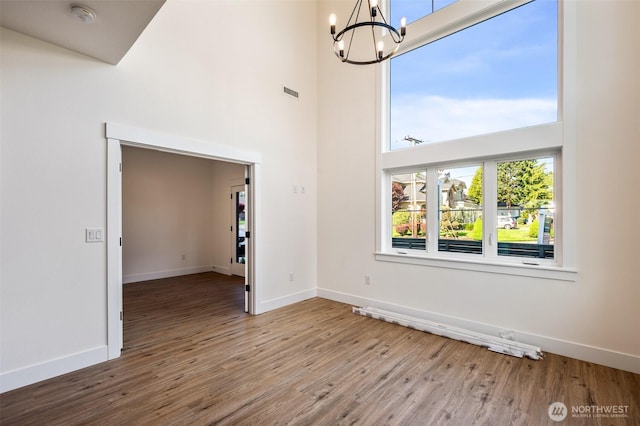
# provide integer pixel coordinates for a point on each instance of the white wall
(184, 76)
(598, 316)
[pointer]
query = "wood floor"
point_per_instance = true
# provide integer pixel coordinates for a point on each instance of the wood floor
(192, 357)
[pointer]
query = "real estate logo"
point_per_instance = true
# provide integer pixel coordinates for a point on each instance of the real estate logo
(557, 411)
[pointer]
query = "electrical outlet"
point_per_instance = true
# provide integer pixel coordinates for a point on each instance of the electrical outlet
(367, 280)
(184, 257)
(291, 276)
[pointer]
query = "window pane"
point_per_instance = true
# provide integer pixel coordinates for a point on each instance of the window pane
(497, 75)
(460, 210)
(408, 210)
(526, 208)
(240, 227)
(415, 9)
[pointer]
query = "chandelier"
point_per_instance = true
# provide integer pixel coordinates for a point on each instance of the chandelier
(380, 31)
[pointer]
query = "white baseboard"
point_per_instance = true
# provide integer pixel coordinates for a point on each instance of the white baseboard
(225, 270)
(34, 373)
(575, 350)
(279, 302)
(127, 279)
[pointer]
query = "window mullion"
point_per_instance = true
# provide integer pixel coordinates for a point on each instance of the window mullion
(433, 224)
(384, 215)
(490, 210)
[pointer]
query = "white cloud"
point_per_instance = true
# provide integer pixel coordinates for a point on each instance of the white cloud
(435, 119)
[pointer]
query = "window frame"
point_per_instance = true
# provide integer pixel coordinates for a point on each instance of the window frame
(555, 139)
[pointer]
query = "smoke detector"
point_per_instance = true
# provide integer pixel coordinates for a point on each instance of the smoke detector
(83, 13)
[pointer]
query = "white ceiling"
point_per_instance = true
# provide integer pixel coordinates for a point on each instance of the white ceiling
(118, 24)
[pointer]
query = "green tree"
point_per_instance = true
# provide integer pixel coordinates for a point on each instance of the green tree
(400, 220)
(533, 229)
(475, 189)
(400, 217)
(538, 184)
(476, 234)
(524, 183)
(447, 224)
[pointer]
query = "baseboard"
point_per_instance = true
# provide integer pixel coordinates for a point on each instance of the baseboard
(127, 279)
(575, 350)
(225, 270)
(279, 302)
(35, 373)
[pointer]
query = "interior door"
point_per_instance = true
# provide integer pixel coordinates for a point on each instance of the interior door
(239, 242)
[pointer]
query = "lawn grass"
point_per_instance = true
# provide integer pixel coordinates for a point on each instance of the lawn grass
(517, 235)
(520, 234)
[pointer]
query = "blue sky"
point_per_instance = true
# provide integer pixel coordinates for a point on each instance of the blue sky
(496, 75)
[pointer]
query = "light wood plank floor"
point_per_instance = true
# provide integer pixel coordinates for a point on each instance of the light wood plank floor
(193, 357)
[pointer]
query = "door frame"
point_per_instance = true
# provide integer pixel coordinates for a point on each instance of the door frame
(118, 135)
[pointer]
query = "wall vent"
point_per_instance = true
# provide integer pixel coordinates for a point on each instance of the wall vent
(291, 92)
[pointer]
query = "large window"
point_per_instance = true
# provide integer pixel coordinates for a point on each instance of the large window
(496, 75)
(472, 145)
(414, 10)
(515, 219)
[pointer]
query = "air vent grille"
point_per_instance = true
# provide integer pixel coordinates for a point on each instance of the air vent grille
(291, 92)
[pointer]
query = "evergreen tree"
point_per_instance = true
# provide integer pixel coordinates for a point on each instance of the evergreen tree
(524, 183)
(519, 183)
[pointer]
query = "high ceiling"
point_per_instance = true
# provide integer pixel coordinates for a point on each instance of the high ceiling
(118, 24)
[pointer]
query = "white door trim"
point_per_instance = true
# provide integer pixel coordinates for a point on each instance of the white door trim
(118, 135)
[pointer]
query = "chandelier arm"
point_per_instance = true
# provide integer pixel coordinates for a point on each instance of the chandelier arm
(393, 34)
(357, 7)
(351, 27)
(346, 57)
(355, 15)
(396, 36)
(375, 61)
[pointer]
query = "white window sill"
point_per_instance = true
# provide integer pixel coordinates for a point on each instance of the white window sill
(534, 271)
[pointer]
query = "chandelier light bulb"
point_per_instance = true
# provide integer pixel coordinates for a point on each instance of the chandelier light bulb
(332, 22)
(374, 6)
(380, 50)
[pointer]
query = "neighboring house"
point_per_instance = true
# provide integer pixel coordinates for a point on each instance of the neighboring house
(454, 195)
(413, 189)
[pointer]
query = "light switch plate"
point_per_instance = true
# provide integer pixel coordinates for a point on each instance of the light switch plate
(94, 235)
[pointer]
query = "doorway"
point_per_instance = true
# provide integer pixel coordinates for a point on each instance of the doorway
(119, 135)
